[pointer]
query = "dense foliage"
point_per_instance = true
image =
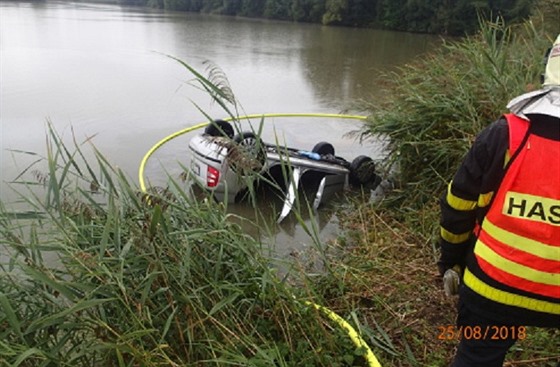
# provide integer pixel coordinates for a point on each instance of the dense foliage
(453, 17)
(437, 105)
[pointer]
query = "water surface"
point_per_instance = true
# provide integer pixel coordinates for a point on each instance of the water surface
(100, 71)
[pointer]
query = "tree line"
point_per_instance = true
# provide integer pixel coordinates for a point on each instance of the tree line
(450, 17)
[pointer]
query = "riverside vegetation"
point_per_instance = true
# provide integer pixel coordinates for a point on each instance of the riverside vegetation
(426, 16)
(96, 273)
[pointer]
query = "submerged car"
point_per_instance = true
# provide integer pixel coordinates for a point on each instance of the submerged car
(226, 164)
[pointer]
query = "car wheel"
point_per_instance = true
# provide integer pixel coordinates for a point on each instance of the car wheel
(362, 171)
(248, 140)
(323, 148)
(248, 154)
(219, 128)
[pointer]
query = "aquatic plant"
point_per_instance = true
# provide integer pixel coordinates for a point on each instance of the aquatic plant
(103, 274)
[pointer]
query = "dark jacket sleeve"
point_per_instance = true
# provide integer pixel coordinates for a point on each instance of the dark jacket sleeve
(469, 194)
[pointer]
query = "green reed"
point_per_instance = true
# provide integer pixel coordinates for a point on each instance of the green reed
(107, 276)
(435, 106)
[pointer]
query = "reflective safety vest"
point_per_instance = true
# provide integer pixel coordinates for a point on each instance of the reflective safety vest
(518, 247)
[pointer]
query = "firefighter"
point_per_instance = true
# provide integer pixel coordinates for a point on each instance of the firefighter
(500, 226)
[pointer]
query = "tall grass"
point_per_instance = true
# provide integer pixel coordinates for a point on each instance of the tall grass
(104, 275)
(435, 106)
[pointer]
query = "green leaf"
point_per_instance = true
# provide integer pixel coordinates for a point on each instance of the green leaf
(11, 315)
(156, 219)
(60, 317)
(28, 353)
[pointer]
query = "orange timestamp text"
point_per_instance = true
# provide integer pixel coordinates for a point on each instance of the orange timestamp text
(487, 332)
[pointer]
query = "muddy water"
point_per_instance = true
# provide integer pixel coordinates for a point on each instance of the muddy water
(101, 72)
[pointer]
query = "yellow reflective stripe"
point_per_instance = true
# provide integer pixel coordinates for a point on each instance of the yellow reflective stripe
(507, 298)
(484, 199)
(507, 158)
(452, 237)
(457, 203)
(521, 243)
(522, 271)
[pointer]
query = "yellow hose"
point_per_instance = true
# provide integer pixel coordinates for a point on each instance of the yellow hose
(354, 336)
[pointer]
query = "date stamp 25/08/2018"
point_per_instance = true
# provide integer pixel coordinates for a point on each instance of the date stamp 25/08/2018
(487, 332)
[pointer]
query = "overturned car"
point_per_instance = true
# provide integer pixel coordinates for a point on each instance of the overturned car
(224, 163)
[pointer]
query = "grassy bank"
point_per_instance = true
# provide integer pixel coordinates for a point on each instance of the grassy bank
(433, 110)
(387, 277)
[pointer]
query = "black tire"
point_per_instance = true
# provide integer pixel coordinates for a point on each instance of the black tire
(219, 128)
(250, 155)
(323, 148)
(362, 171)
